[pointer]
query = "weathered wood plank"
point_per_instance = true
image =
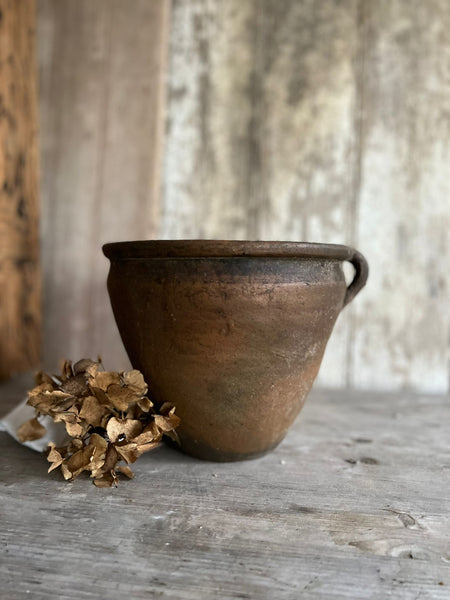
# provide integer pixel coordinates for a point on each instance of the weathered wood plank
(291, 119)
(73, 65)
(130, 180)
(261, 136)
(353, 504)
(20, 276)
(102, 67)
(401, 331)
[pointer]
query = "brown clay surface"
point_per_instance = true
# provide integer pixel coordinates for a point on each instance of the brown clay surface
(235, 342)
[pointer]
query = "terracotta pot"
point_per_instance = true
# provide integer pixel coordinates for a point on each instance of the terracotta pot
(231, 333)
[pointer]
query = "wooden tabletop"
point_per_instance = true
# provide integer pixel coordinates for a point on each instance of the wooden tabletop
(355, 503)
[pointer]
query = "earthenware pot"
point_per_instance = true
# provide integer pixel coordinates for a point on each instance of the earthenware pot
(231, 333)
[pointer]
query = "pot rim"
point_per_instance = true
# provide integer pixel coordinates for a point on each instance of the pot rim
(143, 249)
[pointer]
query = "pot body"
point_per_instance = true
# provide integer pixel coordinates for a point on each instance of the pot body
(234, 340)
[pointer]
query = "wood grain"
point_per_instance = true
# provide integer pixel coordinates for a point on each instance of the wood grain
(402, 325)
(261, 132)
(20, 284)
(325, 122)
(353, 504)
(321, 121)
(102, 90)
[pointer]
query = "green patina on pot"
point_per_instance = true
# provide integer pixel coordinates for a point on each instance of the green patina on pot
(232, 333)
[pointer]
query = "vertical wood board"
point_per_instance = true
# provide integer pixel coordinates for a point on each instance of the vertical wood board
(102, 68)
(261, 127)
(20, 276)
(402, 325)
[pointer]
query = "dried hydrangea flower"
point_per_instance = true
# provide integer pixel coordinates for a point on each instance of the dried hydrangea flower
(107, 415)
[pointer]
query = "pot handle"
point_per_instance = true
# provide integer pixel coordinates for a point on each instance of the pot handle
(360, 278)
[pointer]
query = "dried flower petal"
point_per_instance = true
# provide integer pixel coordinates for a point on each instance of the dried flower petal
(92, 411)
(100, 395)
(120, 430)
(45, 400)
(111, 459)
(121, 397)
(30, 430)
(65, 416)
(82, 365)
(125, 469)
(93, 369)
(106, 480)
(45, 386)
(66, 370)
(55, 457)
(146, 437)
(67, 473)
(42, 378)
(74, 445)
(103, 379)
(142, 448)
(135, 382)
(75, 430)
(76, 386)
(132, 451)
(82, 460)
(167, 423)
(145, 404)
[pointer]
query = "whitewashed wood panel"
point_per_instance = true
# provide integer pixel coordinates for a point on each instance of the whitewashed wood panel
(73, 59)
(101, 72)
(261, 127)
(402, 328)
(321, 121)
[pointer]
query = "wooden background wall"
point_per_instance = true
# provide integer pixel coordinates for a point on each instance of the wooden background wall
(101, 89)
(20, 276)
(290, 119)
